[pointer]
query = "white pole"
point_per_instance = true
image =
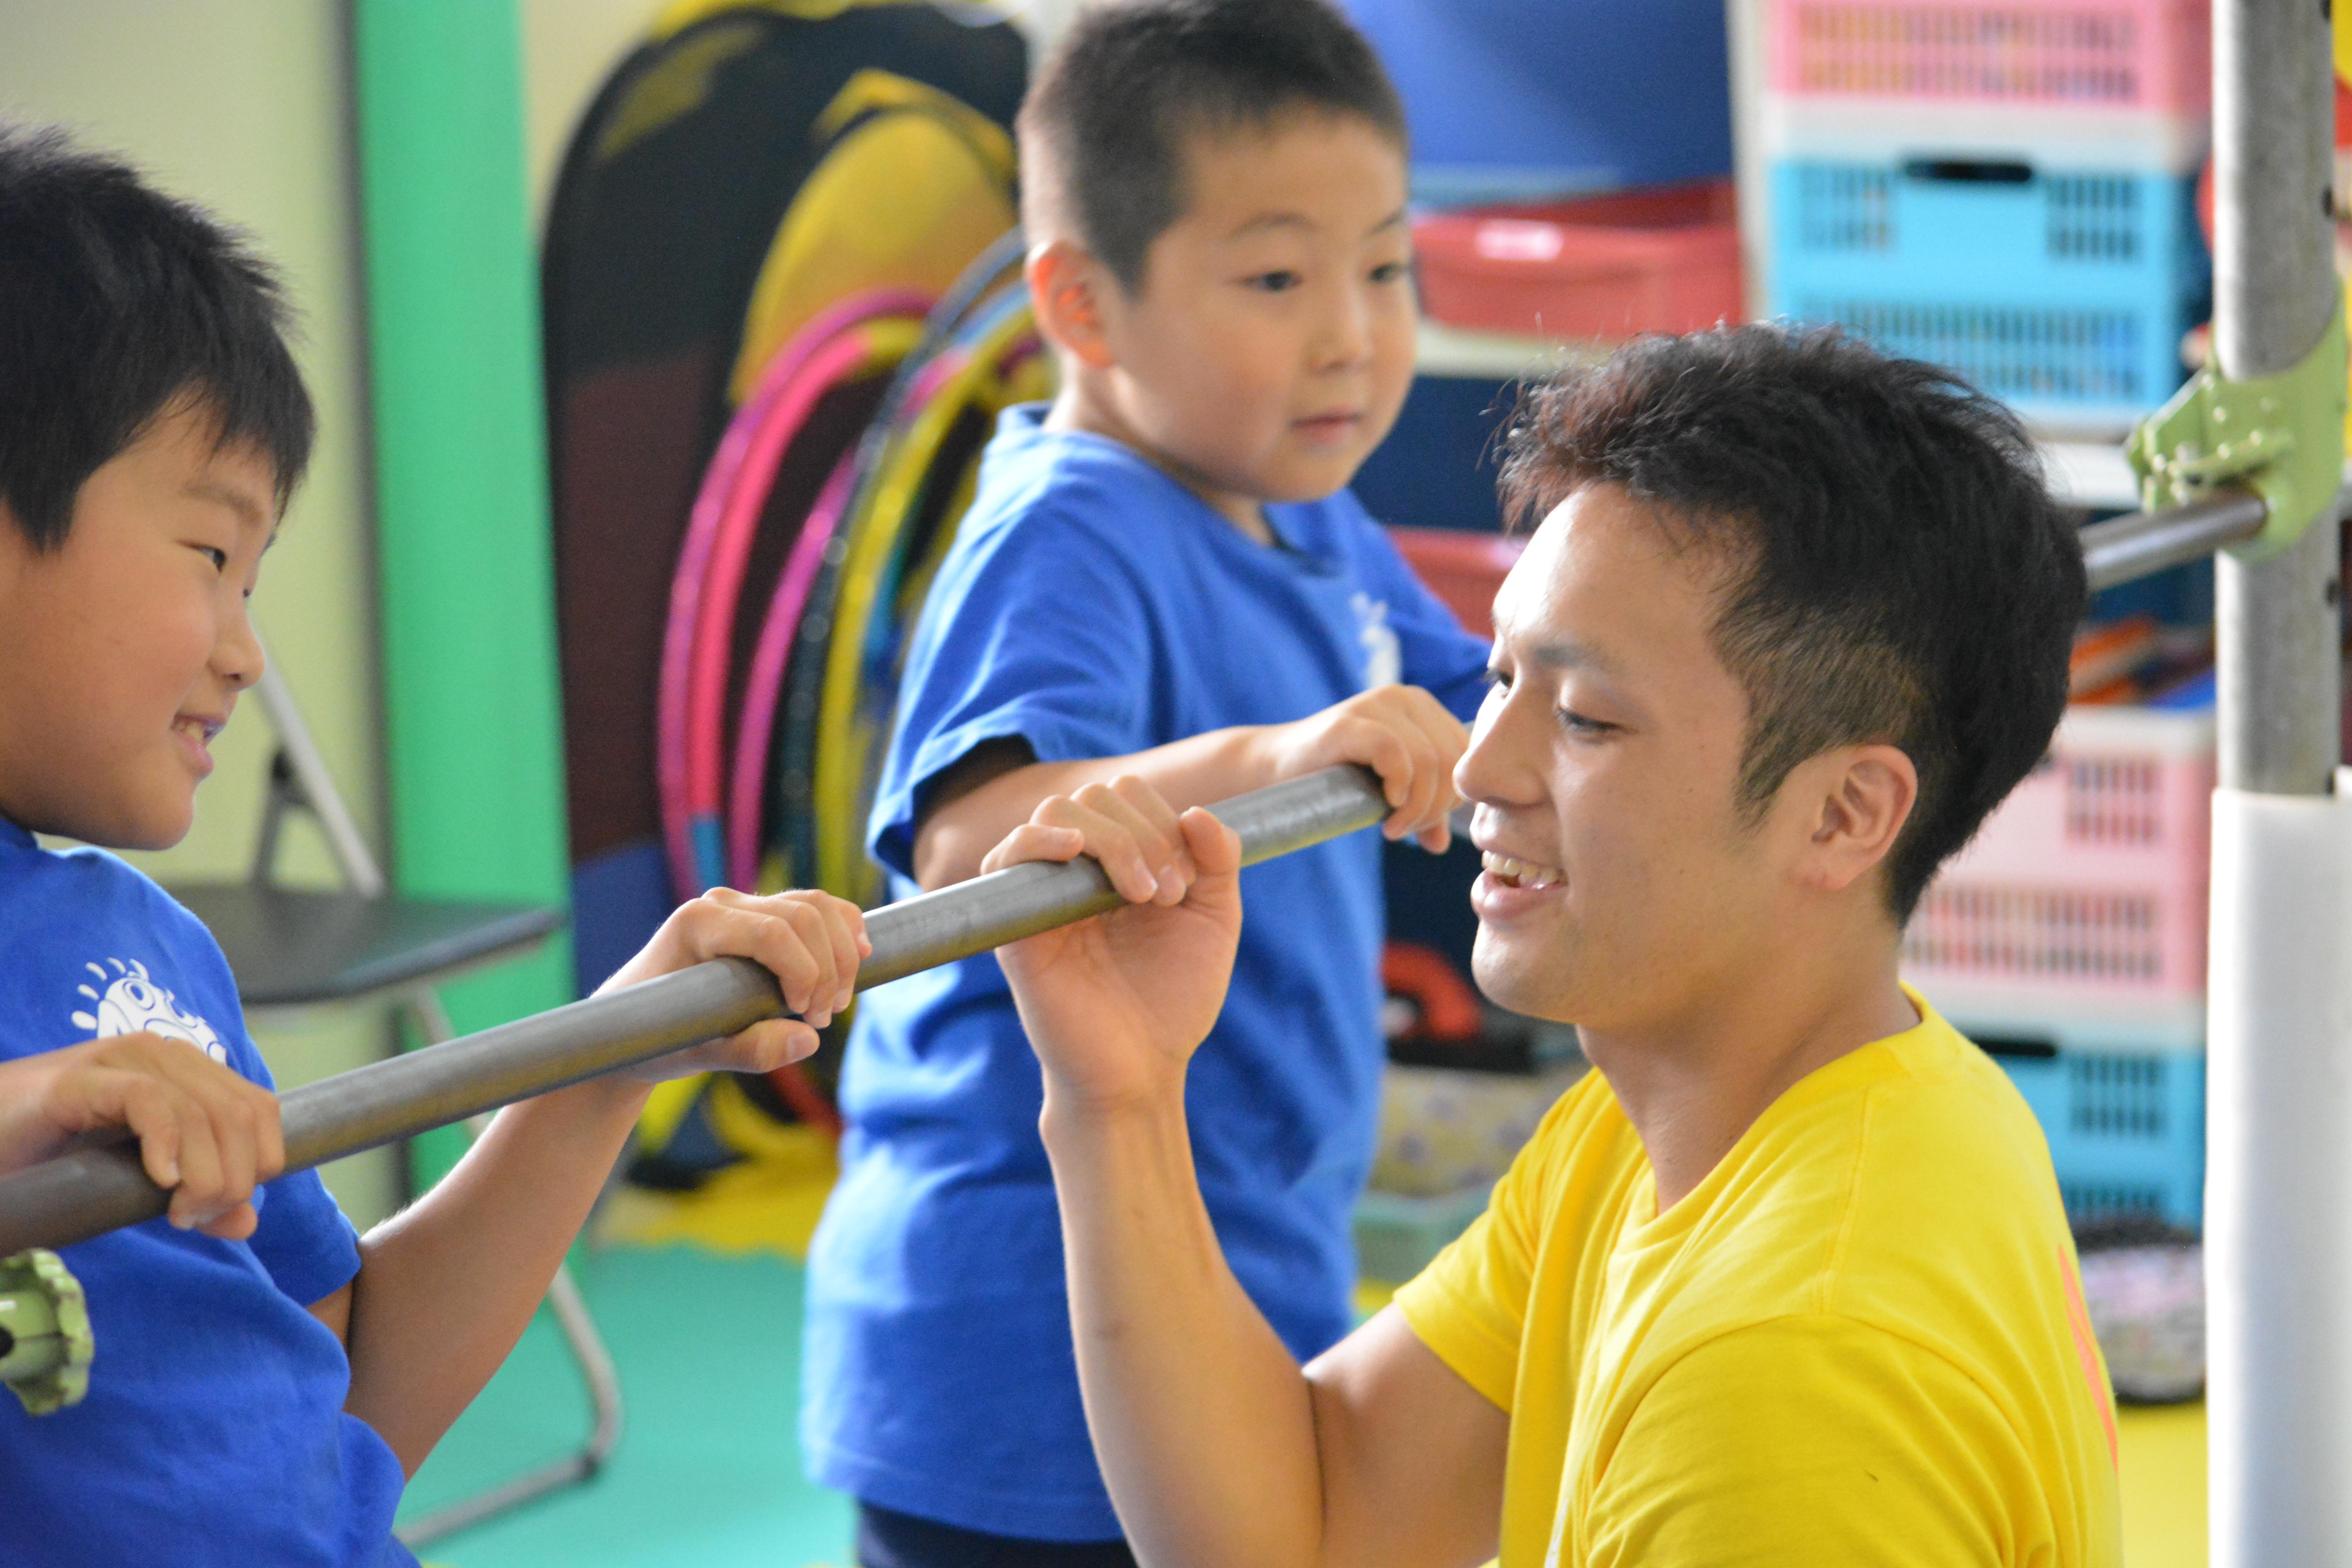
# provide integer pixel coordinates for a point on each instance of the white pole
(2278, 1209)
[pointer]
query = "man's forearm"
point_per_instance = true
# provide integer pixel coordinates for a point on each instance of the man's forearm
(957, 832)
(447, 1287)
(1201, 1420)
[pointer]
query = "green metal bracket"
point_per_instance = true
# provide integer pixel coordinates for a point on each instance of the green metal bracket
(45, 1346)
(2281, 435)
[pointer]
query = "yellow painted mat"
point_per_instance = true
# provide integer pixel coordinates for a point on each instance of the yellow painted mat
(768, 1204)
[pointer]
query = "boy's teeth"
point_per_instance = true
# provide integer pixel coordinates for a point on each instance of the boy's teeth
(1519, 873)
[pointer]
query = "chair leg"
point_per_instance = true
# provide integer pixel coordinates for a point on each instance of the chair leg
(587, 1348)
(604, 1389)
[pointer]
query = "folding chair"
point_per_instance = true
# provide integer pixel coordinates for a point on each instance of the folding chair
(292, 950)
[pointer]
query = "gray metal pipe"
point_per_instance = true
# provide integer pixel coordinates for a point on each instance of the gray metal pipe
(92, 1191)
(2274, 291)
(2140, 543)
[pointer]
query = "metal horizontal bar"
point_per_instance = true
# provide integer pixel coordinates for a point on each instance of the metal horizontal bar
(2143, 542)
(92, 1191)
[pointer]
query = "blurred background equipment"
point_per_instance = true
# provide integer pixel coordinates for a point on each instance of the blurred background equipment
(2003, 187)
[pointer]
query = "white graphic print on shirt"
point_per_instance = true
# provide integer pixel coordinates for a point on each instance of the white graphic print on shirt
(1383, 654)
(131, 1004)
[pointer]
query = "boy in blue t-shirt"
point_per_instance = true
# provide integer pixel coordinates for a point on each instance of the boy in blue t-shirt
(1161, 575)
(265, 1379)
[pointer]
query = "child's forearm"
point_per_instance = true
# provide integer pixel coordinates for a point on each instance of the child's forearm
(1401, 732)
(1204, 1424)
(959, 832)
(447, 1287)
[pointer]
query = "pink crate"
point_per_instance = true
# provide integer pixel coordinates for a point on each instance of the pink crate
(2124, 55)
(2086, 886)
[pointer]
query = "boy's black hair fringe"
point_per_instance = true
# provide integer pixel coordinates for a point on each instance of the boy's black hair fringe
(1105, 123)
(117, 305)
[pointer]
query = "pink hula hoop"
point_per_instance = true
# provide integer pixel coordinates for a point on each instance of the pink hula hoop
(712, 556)
(767, 676)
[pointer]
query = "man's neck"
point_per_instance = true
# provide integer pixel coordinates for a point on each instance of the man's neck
(1694, 1084)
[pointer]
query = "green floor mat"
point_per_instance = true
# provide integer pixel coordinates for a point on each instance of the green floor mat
(708, 1474)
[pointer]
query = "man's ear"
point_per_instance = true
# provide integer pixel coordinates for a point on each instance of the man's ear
(1856, 801)
(1066, 290)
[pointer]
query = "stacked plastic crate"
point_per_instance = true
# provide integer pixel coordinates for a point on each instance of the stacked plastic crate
(2069, 938)
(2003, 186)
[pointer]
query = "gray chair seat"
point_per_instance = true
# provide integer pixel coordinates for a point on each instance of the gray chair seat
(293, 948)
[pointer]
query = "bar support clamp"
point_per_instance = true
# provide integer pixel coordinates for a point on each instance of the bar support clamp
(2280, 436)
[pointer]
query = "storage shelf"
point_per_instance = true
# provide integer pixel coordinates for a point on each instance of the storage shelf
(2087, 474)
(2093, 474)
(1468, 354)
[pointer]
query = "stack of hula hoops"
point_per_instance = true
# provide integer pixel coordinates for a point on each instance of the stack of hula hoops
(754, 494)
(787, 806)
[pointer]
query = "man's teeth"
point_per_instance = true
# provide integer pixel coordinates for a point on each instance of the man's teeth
(1520, 873)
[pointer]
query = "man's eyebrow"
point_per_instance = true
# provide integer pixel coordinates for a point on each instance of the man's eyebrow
(1572, 655)
(236, 501)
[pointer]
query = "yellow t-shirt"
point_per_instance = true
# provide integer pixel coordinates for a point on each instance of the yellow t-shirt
(1861, 1339)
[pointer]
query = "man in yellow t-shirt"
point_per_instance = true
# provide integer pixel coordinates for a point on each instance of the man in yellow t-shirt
(1786, 1281)
(1858, 1337)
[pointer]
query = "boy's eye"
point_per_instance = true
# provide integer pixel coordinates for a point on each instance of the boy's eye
(1498, 679)
(219, 558)
(1577, 723)
(1392, 271)
(1280, 281)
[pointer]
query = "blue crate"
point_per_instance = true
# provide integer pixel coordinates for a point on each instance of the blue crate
(2064, 292)
(2127, 1133)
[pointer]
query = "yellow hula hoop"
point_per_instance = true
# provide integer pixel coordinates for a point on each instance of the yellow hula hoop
(1032, 380)
(873, 536)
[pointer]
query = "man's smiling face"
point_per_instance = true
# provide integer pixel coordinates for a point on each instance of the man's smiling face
(1623, 880)
(127, 645)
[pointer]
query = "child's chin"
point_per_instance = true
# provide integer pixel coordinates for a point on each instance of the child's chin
(150, 825)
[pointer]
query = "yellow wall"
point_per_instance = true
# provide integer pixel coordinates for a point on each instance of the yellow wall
(242, 105)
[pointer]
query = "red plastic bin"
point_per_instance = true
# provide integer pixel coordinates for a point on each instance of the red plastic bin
(2124, 55)
(1462, 568)
(1663, 260)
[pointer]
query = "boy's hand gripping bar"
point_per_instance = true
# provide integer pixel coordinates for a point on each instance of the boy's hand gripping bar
(92, 1191)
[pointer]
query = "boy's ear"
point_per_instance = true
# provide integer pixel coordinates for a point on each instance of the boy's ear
(1855, 801)
(1066, 288)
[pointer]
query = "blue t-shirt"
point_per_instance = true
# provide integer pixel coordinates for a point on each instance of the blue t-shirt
(1094, 607)
(214, 1431)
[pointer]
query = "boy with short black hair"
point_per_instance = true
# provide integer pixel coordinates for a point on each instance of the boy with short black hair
(1162, 574)
(1787, 1279)
(265, 1380)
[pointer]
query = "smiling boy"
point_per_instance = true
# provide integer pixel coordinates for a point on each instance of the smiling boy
(266, 1380)
(1162, 574)
(1786, 1281)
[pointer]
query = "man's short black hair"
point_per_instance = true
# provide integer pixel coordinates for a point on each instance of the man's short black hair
(1106, 123)
(118, 304)
(1898, 570)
